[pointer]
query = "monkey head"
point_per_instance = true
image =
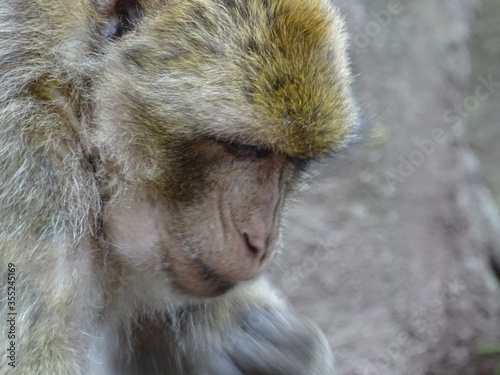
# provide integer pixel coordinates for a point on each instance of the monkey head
(206, 113)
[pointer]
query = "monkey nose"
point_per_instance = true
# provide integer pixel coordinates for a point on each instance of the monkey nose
(257, 245)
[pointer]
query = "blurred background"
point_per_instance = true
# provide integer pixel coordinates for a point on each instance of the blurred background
(395, 248)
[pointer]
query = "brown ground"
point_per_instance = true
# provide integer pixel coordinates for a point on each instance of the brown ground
(389, 251)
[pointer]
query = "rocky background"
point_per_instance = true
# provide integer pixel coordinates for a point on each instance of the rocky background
(393, 249)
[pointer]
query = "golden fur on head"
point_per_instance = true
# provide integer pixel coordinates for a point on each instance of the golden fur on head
(268, 73)
(300, 77)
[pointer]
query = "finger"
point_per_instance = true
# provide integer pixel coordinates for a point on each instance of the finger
(217, 364)
(256, 357)
(288, 334)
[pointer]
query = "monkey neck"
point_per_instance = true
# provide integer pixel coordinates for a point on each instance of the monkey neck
(62, 136)
(61, 98)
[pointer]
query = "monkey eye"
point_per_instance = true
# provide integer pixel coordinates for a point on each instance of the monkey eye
(300, 164)
(246, 151)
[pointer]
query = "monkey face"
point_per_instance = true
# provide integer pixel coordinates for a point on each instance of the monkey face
(212, 223)
(200, 113)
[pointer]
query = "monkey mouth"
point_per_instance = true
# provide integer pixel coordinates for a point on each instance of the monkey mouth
(200, 280)
(211, 276)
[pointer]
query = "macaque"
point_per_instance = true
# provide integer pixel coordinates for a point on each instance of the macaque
(147, 150)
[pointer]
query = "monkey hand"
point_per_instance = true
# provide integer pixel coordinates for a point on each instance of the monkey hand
(267, 342)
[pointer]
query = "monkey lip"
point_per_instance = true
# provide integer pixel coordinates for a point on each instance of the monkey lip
(196, 278)
(199, 279)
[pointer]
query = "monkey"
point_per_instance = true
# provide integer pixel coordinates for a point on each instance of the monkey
(147, 152)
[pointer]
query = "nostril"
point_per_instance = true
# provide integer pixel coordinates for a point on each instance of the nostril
(254, 249)
(268, 242)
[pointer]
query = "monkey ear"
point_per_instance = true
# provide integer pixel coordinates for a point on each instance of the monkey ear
(120, 16)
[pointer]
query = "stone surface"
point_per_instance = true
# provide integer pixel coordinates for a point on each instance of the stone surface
(484, 120)
(390, 249)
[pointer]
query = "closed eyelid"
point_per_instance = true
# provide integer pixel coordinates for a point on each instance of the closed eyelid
(246, 151)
